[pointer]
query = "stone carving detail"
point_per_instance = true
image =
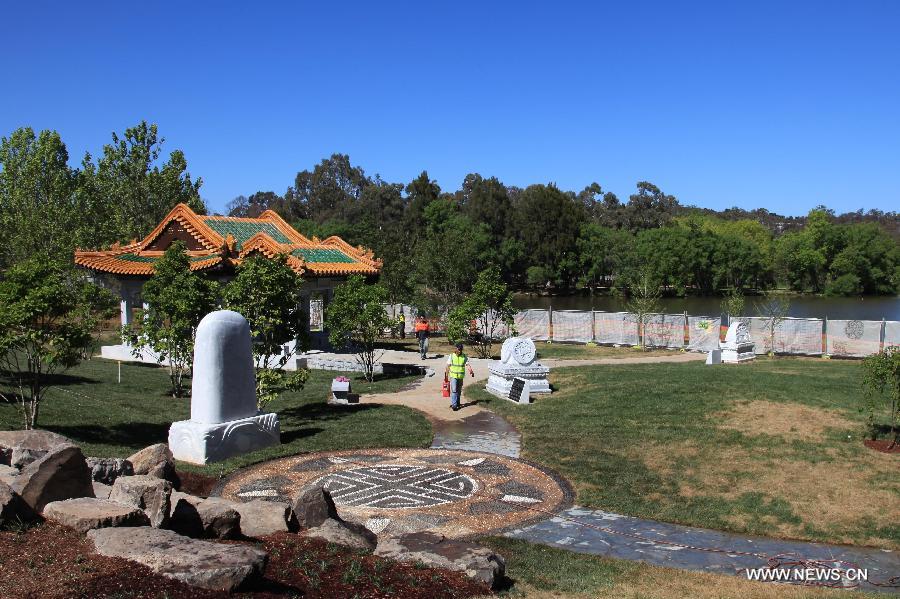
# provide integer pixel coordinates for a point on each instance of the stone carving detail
(738, 346)
(397, 486)
(854, 329)
(517, 360)
(224, 419)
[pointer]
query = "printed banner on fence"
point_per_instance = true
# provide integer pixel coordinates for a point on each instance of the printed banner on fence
(572, 325)
(703, 333)
(858, 338)
(618, 328)
(791, 335)
(664, 330)
(892, 333)
(533, 324)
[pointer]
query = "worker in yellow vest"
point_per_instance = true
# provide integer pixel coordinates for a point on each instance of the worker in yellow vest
(456, 372)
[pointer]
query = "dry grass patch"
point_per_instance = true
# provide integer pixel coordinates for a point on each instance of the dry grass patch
(830, 496)
(790, 421)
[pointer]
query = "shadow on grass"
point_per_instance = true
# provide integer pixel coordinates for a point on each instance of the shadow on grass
(126, 433)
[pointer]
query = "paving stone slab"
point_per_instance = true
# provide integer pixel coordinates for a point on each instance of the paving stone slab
(199, 563)
(87, 513)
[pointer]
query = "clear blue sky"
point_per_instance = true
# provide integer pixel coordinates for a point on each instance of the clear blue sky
(782, 105)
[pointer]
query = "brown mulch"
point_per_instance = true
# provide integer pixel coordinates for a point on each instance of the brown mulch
(196, 484)
(882, 445)
(55, 562)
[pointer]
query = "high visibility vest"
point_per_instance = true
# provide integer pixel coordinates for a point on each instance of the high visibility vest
(421, 326)
(458, 366)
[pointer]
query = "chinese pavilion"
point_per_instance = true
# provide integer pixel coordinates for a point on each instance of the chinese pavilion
(217, 244)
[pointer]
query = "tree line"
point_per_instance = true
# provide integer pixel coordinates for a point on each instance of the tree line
(435, 242)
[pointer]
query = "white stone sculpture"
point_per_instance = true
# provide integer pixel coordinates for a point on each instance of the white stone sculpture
(737, 347)
(224, 419)
(517, 361)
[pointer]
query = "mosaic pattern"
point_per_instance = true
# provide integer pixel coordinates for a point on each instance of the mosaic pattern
(397, 486)
(450, 492)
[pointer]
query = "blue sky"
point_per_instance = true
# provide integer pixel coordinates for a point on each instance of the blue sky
(756, 104)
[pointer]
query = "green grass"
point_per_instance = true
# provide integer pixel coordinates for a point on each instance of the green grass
(106, 418)
(540, 571)
(660, 441)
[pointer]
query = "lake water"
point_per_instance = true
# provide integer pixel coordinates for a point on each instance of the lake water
(849, 308)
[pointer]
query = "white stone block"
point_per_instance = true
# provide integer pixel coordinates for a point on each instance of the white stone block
(224, 382)
(202, 443)
(714, 356)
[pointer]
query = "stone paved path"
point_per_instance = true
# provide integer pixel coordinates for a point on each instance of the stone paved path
(614, 535)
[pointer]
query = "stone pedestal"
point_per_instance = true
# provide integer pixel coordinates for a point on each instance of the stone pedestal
(517, 361)
(341, 395)
(714, 356)
(737, 347)
(224, 420)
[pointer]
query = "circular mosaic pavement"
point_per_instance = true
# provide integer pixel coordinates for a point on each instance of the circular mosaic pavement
(455, 493)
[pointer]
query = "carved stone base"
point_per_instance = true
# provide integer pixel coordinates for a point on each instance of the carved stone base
(739, 353)
(199, 443)
(501, 378)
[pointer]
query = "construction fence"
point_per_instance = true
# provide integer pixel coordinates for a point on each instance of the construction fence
(800, 336)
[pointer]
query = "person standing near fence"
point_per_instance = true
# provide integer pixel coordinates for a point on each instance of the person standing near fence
(456, 372)
(422, 333)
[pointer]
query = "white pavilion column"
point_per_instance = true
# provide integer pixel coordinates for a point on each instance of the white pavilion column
(125, 306)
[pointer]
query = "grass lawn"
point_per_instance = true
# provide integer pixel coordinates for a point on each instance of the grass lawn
(773, 447)
(556, 351)
(544, 572)
(109, 419)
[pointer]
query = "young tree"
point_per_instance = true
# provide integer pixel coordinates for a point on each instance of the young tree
(48, 316)
(733, 304)
(178, 300)
(267, 293)
(643, 300)
(881, 380)
(774, 308)
(355, 319)
(489, 307)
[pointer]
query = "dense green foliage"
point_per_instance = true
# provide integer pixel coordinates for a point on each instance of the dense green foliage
(434, 243)
(356, 320)
(45, 205)
(489, 308)
(48, 316)
(178, 299)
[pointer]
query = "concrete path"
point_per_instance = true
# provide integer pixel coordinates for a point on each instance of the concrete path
(623, 537)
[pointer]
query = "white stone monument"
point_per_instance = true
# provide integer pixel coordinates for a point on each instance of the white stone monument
(517, 361)
(224, 419)
(737, 347)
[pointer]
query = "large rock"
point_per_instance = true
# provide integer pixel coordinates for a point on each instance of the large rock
(61, 474)
(85, 513)
(219, 519)
(260, 518)
(348, 534)
(8, 470)
(107, 470)
(200, 563)
(184, 517)
(33, 439)
(313, 507)
(149, 458)
(153, 495)
(101, 491)
(12, 507)
(479, 563)
(22, 456)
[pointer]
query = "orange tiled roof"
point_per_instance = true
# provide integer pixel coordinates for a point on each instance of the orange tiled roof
(228, 240)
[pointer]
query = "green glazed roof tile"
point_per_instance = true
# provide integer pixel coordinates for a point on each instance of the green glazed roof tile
(328, 255)
(244, 230)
